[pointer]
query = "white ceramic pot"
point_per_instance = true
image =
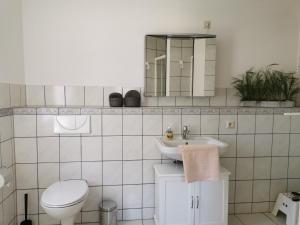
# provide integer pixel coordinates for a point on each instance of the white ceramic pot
(248, 103)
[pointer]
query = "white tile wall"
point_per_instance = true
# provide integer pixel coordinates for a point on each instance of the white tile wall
(45, 125)
(245, 145)
(262, 168)
(262, 155)
(5, 96)
(70, 170)
(152, 125)
(132, 124)
(263, 144)
(35, 95)
(40, 95)
(26, 175)
(70, 149)
(55, 95)
(74, 95)
(48, 149)
(210, 124)
(25, 126)
(25, 150)
(93, 96)
(132, 151)
(112, 124)
(6, 128)
(112, 148)
(48, 173)
(15, 95)
(91, 148)
(112, 173)
(92, 172)
(8, 205)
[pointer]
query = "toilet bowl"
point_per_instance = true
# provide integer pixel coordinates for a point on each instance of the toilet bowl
(64, 199)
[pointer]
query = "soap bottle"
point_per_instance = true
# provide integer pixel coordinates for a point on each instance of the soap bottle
(169, 134)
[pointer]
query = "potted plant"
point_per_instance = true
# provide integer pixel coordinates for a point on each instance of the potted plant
(266, 88)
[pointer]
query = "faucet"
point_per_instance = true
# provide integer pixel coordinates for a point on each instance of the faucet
(185, 132)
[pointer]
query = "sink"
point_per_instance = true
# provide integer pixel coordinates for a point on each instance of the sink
(170, 149)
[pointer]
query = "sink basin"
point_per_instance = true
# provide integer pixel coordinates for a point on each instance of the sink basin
(170, 149)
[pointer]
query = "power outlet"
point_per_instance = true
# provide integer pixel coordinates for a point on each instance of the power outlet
(230, 124)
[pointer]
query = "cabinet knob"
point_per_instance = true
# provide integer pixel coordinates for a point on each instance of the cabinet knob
(192, 206)
(197, 202)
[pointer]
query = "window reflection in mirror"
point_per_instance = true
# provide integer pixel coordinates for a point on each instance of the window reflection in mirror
(155, 65)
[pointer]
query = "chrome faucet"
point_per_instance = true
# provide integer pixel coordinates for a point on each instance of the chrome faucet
(185, 132)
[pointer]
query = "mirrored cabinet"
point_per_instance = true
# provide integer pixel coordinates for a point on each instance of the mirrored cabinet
(180, 65)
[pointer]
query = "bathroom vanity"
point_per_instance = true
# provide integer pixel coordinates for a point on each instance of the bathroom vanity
(181, 203)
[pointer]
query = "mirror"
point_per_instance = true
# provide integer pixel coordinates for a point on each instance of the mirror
(180, 65)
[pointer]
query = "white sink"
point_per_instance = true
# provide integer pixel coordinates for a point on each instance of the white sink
(170, 149)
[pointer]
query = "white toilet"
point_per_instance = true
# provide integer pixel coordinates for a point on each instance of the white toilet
(64, 199)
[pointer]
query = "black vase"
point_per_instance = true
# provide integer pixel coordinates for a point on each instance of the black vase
(132, 99)
(115, 100)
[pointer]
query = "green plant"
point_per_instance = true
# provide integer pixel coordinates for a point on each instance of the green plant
(266, 84)
(291, 87)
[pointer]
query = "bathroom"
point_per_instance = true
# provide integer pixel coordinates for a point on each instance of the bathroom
(64, 58)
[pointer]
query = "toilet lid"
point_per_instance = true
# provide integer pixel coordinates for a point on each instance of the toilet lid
(65, 193)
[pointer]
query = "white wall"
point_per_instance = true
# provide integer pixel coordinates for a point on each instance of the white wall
(102, 42)
(11, 43)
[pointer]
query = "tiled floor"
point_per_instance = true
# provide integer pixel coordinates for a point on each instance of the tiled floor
(241, 219)
(256, 219)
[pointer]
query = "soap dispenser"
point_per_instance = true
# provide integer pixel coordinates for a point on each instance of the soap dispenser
(169, 134)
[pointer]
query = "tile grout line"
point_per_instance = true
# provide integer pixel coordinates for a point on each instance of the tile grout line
(288, 167)
(122, 163)
(102, 159)
(81, 174)
(1, 194)
(253, 163)
(270, 188)
(236, 159)
(44, 89)
(65, 95)
(142, 181)
(14, 162)
(37, 165)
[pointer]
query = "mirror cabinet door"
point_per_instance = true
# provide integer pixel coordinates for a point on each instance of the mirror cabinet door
(180, 66)
(204, 67)
(155, 66)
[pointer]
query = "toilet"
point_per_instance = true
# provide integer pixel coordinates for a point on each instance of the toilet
(64, 199)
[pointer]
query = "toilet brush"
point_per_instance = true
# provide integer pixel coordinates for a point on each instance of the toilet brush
(26, 221)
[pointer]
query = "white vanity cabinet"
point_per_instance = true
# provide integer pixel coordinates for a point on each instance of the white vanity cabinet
(180, 203)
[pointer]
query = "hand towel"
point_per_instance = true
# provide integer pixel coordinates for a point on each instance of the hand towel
(200, 162)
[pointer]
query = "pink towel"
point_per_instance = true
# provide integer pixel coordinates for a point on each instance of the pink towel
(200, 162)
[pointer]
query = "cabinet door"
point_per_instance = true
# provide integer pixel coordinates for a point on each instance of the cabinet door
(212, 208)
(178, 206)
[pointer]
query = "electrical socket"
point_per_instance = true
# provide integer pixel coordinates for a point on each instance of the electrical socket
(230, 124)
(207, 24)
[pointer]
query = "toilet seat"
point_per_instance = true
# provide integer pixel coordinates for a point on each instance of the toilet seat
(64, 194)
